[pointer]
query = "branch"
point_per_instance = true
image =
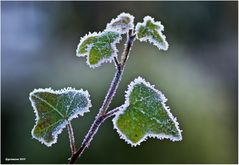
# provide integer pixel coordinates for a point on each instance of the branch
(117, 64)
(101, 116)
(130, 40)
(111, 112)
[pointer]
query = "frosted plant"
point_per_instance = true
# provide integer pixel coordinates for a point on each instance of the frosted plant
(144, 113)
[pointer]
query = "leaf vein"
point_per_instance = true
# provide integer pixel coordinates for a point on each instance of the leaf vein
(47, 103)
(73, 99)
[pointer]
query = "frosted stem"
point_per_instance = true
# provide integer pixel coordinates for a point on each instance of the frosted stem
(102, 115)
(111, 112)
(71, 138)
(117, 64)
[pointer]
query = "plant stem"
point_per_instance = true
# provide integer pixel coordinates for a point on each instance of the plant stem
(102, 115)
(71, 138)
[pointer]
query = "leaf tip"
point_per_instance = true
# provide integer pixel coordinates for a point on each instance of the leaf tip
(85, 43)
(122, 23)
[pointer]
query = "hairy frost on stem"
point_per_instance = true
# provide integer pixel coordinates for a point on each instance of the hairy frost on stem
(122, 109)
(103, 60)
(118, 24)
(164, 45)
(58, 129)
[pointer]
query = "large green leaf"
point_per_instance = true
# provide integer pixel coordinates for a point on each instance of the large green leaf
(122, 23)
(151, 31)
(145, 114)
(99, 47)
(54, 109)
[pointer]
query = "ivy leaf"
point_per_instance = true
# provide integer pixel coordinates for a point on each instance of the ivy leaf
(122, 23)
(145, 114)
(151, 31)
(98, 47)
(54, 109)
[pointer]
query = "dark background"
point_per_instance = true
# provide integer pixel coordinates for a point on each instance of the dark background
(198, 74)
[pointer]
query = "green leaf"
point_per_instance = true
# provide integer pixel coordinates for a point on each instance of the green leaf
(151, 31)
(54, 109)
(122, 23)
(145, 114)
(98, 47)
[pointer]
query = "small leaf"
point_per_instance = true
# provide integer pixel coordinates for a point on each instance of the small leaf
(98, 47)
(54, 109)
(122, 23)
(144, 115)
(151, 31)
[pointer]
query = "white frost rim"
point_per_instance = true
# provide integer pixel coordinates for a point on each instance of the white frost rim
(122, 28)
(122, 108)
(58, 129)
(103, 60)
(162, 45)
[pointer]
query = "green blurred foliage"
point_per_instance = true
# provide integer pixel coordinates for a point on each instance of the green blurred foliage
(198, 75)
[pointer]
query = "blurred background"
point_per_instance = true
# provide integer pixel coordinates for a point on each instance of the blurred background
(198, 75)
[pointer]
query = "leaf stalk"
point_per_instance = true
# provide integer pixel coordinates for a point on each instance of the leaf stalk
(71, 137)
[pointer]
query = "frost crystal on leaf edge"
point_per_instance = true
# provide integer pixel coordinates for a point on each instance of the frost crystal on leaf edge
(120, 29)
(149, 38)
(60, 128)
(126, 104)
(104, 60)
